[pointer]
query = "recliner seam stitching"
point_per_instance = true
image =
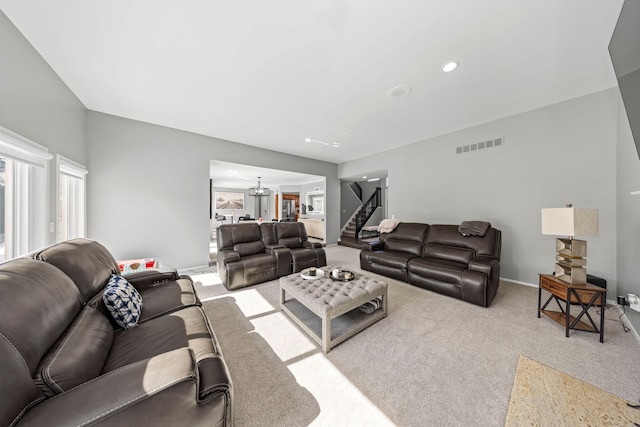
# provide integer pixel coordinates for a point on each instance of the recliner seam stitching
(46, 370)
(146, 393)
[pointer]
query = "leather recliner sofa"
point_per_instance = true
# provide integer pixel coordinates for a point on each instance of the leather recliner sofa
(251, 253)
(65, 362)
(245, 258)
(439, 258)
(304, 254)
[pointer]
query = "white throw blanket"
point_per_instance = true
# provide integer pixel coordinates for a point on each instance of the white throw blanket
(388, 225)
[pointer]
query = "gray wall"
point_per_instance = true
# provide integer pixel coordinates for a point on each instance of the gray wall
(306, 188)
(563, 153)
(349, 202)
(36, 104)
(628, 215)
(148, 190)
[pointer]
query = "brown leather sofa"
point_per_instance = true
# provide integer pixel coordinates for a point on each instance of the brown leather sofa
(245, 258)
(251, 253)
(439, 258)
(65, 363)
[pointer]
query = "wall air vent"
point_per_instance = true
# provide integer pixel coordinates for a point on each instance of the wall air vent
(482, 145)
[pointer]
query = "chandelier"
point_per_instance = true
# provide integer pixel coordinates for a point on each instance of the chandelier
(259, 190)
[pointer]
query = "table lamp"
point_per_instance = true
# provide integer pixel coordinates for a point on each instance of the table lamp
(570, 252)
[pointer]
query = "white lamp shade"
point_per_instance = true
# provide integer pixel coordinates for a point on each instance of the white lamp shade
(570, 222)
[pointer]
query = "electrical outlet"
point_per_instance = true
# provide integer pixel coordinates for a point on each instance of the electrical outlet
(634, 302)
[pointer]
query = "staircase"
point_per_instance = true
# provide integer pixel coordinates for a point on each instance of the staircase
(350, 235)
(350, 229)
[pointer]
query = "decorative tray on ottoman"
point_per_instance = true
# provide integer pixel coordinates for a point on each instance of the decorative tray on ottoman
(342, 275)
(312, 273)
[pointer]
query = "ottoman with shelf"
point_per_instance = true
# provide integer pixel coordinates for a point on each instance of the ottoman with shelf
(328, 310)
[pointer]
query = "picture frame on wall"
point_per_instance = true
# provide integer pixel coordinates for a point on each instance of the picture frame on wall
(229, 200)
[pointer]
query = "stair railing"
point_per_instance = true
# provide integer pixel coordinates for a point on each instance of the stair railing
(355, 187)
(367, 210)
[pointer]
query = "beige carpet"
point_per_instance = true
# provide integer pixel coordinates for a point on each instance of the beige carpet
(434, 361)
(543, 396)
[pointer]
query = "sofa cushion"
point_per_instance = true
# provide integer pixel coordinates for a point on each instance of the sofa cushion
(389, 258)
(449, 253)
(249, 248)
(290, 229)
(397, 245)
(438, 269)
(48, 303)
(123, 301)
(184, 328)
(229, 235)
(167, 297)
(409, 231)
(290, 242)
(88, 263)
(188, 327)
(37, 304)
(79, 354)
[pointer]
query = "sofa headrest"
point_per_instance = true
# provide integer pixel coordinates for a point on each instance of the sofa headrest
(87, 262)
(449, 235)
(231, 234)
(37, 304)
(285, 230)
(409, 231)
(268, 231)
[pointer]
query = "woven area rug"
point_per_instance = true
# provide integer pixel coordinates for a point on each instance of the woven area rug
(543, 396)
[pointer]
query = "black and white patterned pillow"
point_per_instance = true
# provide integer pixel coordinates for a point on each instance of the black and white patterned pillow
(123, 301)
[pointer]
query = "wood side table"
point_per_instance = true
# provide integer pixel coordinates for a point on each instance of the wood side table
(586, 295)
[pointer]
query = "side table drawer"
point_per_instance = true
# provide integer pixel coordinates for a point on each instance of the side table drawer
(553, 287)
(562, 292)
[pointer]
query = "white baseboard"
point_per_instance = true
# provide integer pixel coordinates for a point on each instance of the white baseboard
(535, 285)
(629, 325)
(517, 282)
(186, 270)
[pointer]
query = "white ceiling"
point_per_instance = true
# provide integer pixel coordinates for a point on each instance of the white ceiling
(272, 73)
(233, 175)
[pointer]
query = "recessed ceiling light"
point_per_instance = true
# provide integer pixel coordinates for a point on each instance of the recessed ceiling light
(450, 66)
(364, 177)
(333, 144)
(399, 92)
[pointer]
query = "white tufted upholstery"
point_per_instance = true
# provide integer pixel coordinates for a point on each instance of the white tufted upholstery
(332, 301)
(325, 296)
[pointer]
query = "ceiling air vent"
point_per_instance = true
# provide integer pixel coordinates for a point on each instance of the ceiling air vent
(482, 145)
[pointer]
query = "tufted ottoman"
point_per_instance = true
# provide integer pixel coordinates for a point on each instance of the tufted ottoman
(327, 310)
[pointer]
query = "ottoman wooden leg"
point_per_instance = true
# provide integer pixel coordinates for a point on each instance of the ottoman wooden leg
(326, 333)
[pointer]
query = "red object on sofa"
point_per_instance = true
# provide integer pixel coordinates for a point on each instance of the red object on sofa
(137, 264)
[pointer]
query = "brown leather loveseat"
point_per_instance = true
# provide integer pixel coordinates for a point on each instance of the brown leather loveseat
(251, 253)
(439, 258)
(65, 362)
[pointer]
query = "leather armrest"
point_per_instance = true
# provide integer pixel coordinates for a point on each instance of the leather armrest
(312, 245)
(270, 249)
(148, 278)
(120, 391)
(373, 246)
(214, 377)
(483, 264)
(228, 256)
(283, 260)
